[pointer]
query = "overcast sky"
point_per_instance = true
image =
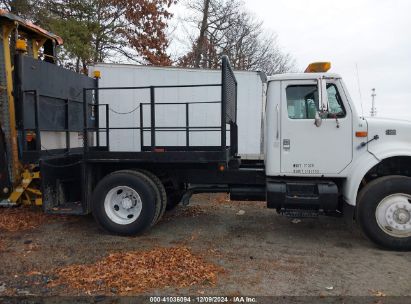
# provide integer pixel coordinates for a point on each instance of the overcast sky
(375, 35)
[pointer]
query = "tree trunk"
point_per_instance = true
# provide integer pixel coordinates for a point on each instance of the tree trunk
(98, 36)
(201, 38)
(78, 65)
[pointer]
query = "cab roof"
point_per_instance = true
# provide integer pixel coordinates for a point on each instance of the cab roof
(301, 76)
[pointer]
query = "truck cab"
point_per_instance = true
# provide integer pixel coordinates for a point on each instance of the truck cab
(310, 125)
(320, 154)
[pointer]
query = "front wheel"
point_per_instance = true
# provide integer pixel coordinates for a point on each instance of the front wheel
(384, 212)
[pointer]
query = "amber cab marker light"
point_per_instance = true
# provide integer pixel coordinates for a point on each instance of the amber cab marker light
(361, 134)
(318, 67)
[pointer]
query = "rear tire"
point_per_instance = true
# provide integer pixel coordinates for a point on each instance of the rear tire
(174, 189)
(384, 212)
(160, 192)
(125, 203)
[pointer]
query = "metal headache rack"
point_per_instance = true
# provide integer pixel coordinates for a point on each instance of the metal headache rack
(66, 111)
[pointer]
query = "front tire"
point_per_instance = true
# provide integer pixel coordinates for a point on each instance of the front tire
(124, 203)
(384, 212)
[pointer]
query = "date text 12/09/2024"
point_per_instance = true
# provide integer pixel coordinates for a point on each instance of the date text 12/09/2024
(203, 299)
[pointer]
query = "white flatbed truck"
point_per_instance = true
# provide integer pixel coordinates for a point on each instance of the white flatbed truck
(319, 154)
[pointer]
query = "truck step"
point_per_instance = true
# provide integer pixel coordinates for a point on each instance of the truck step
(299, 213)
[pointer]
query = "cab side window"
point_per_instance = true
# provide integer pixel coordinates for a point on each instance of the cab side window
(336, 106)
(302, 101)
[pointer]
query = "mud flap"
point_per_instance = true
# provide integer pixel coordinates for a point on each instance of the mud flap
(63, 185)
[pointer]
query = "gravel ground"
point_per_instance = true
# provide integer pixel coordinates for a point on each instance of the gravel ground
(261, 252)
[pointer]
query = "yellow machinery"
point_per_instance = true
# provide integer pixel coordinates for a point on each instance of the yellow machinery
(18, 182)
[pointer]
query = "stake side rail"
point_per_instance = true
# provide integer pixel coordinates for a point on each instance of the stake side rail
(170, 153)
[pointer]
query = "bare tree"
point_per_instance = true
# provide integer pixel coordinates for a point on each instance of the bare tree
(226, 28)
(202, 37)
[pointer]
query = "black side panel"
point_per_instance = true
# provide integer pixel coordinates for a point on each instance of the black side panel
(4, 172)
(54, 86)
(63, 185)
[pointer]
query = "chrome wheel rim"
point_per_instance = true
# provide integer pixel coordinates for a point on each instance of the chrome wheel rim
(123, 205)
(393, 215)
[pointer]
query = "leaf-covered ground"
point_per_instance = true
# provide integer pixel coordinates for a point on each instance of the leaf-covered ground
(211, 247)
(139, 271)
(18, 219)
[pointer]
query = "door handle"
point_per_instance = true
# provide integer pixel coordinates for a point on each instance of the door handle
(277, 108)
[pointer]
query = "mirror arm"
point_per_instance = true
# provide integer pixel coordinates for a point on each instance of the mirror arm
(336, 120)
(323, 95)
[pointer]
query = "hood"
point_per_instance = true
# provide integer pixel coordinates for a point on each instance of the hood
(394, 136)
(387, 123)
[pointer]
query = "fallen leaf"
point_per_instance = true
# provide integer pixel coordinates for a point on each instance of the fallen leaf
(33, 273)
(139, 271)
(377, 293)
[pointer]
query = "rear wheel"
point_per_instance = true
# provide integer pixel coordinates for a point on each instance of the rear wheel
(161, 194)
(125, 203)
(384, 212)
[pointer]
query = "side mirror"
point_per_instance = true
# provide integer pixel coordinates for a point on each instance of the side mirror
(318, 120)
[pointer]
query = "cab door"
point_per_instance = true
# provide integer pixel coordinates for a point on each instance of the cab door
(308, 149)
